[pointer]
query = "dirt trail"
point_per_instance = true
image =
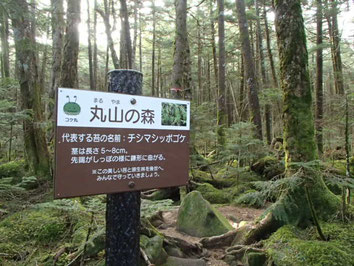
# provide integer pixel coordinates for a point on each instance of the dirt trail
(234, 214)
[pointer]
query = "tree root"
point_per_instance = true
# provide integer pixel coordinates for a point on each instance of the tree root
(238, 251)
(219, 241)
(189, 249)
(261, 230)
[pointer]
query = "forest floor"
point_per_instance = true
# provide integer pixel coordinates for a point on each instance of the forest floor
(234, 214)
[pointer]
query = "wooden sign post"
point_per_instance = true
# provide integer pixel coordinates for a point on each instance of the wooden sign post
(119, 143)
(123, 209)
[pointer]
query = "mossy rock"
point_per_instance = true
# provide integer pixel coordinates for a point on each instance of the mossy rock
(153, 248)
(256, 259)
(13, 168)
(174, 251)
(212, 194)
(197, 217)
(292, 246)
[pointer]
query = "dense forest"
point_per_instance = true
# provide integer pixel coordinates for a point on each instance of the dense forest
(271, 87)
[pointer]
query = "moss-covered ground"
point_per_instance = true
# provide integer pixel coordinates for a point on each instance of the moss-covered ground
(35, 230)
(293, 246)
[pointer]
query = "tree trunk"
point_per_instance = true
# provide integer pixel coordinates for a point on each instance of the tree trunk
(299, 204)
(222, 109)
(242, 98)
(140, 44)
(25, 44)
(335, 48)
(319, 79)
(199, 92)
(127, 51)
(251, 79)
(265, 80)
(153, 48)
(57, 52)
(4, 33)
(135, 38)
(42, 73)
(181, 74)
(69, 77)
(159, 73)
(299, 145)
(269, 48)
(89, 47)
(95, 47)
(110, 43)
(213, 45)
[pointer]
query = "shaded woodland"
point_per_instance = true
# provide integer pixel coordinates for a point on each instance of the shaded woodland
(271, 85)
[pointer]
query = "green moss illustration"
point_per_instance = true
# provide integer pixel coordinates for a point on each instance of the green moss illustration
(72, 108)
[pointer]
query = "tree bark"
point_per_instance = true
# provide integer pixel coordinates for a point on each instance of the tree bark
(213, 45)
(89, 47)
(265, 80)
(299, 145)
(269, 48)
(57, 52)
(95, 46)
(34, 137)
(199, 92)
(135, 38)
(69, 76)
(251, 79)
(127, 51)
(153, 48)
(222, 109)
(110, 43)
(319, 79)
(181, 74)
(140, 44)
(335, 49)
(4, 33)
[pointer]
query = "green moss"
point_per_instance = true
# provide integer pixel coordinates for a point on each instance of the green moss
(236, 190)
(13, 168)
(212, 194)
(197, 217)
(292, 246)
(41, 226)
(340, 166)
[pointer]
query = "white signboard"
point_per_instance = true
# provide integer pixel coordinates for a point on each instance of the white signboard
(82, 108)
(110, 142)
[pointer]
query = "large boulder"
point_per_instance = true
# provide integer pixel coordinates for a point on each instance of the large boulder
(197, 217)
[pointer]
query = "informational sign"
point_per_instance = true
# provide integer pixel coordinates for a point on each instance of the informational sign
(110, 142)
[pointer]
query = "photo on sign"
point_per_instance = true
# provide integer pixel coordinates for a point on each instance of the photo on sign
(174, 114)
